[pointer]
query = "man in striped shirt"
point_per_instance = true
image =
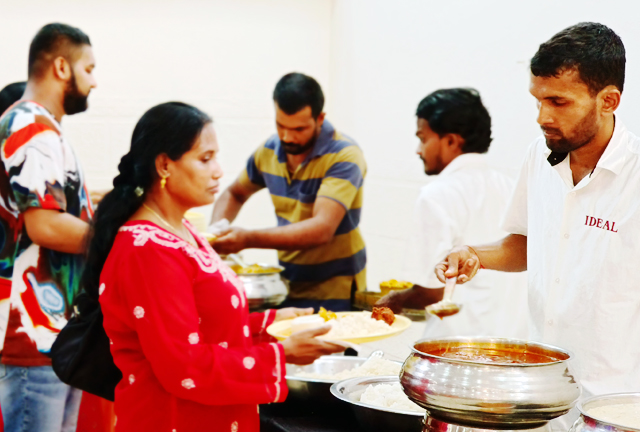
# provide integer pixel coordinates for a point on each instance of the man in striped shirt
(314, 175)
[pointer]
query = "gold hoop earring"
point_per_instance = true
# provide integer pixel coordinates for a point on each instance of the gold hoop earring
(163, 182)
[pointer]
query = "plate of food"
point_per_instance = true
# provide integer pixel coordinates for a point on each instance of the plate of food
(353, 327)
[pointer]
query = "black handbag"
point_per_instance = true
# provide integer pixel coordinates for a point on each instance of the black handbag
(80, 355)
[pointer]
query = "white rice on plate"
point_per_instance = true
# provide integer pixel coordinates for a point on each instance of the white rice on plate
(389, 396)
(355, 325)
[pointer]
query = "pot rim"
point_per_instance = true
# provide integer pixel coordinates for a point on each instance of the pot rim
(276, 270)
(385, 380)
(583, 412)
(565, 352)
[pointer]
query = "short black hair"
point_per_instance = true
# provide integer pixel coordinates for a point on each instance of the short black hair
(51, 41)
(593, 49)
(11, 94)
(458, 111)
(296, 91)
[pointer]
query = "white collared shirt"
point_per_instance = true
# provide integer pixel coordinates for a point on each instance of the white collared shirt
(583, 256)
(464, 204)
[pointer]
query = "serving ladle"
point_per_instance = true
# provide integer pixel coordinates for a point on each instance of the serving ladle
(445, 307)
(238, 260)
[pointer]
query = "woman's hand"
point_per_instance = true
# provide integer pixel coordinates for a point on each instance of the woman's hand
(303, 348)
(291, 312)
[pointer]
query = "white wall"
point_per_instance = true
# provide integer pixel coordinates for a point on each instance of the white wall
(388, 55)
(222, 56)
(375, 59)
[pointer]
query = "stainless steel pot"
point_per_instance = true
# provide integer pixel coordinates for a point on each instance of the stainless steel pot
(264, 290)
(489, 395)
(372, 418)
(318, 391)
(588, 423)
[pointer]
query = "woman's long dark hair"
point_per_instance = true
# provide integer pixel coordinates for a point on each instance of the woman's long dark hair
(170, 128)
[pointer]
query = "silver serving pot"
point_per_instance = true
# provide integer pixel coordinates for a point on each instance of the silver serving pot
(588, 423)
(372, 418)
(490, 395)
(264, 290)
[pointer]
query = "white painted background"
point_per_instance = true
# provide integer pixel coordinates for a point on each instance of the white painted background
(376, 59)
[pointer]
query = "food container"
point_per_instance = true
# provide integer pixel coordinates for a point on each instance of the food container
(590, 423)
(312, 390)
(373, 418)
(265, 289)
(490, 393)
(393, 285)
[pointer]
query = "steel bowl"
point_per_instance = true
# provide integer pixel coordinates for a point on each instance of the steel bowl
(588, 423)
(318, 391)
(264, 290)
(373, 418)
(492, 395)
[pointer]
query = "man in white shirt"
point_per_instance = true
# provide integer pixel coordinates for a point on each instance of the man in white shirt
(463, 204)
(574, 217)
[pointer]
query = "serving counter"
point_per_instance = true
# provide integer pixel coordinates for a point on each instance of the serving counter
(287, 417)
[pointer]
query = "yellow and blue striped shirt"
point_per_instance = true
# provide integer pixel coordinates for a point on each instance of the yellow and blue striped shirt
(334, 169)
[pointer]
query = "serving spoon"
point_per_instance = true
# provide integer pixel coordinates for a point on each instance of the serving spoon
(445, 307)
(238, 260)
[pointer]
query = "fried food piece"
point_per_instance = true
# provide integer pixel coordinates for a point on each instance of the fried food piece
(327, 315)
(383, 314)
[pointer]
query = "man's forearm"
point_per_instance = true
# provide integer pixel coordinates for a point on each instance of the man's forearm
(508, 254)
(57, 231)
(227, 206)
(298, 236)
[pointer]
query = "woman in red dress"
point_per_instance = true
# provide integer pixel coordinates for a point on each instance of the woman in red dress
(175, 314)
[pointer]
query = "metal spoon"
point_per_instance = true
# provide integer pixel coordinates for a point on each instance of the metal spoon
(445, 307)
(376, 354)
(236, 259)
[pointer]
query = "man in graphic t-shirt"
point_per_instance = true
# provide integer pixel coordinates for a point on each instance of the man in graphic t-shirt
(44, 218)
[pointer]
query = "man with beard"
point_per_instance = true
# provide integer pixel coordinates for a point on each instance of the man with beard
(314, 175)
(44, 217)
(574, 217)
(454, 129)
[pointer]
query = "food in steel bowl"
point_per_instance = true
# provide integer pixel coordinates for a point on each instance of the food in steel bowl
(255, 269)
(372, 417)
(490, 383)
(311, 384)
(263, 285)
(394, 285)
(615, 412)
(371, 367)
(389, 396)
(622, 414)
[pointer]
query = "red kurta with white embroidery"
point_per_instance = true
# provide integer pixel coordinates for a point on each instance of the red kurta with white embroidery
(181, 334)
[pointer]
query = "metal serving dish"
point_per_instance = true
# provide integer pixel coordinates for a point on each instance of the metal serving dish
(589, 423)
(264, 290)
(492, 395)
(372, 418)
(318, 391)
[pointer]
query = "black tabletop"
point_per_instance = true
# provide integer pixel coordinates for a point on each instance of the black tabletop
(288, 417)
